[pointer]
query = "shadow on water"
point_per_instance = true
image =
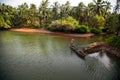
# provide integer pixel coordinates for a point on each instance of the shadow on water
(100, 66)
(33, 56)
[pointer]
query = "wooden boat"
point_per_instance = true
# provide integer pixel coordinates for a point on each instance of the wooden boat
(78, 51)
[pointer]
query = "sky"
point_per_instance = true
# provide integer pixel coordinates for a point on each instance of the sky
(15, 3)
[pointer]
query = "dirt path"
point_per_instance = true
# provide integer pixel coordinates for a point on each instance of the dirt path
(42, 30)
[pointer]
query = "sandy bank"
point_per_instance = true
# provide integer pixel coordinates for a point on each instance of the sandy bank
(42, 30)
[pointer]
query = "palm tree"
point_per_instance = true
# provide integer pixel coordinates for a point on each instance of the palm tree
(55, 10)
(33, 14)
(107, 8)
(80, 12)
(23, 14)
(42, 14)
(91, 8)
(65, 9)
(99, 7)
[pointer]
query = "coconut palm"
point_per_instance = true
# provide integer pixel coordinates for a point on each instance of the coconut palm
(80, 12)
(42, 14)
(23, 14)
(107, 8)
(55, 10)
(65, 9)
(99, 7)
(33, 14)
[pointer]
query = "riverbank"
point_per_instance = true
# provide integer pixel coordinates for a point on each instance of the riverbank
(42, 30)
(102, 46)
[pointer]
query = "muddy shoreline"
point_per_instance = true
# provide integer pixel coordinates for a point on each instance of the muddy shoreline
(103, 47)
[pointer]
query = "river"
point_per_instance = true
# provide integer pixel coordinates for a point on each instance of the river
(35, 56)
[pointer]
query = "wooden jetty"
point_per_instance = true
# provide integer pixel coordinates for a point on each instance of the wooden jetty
(78, 51)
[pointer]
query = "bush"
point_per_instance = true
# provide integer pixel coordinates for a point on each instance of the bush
(64, 25)
(3, 23)
(112, 22)
(105, 30)
(114, 41)
(95, 31)
(100, 21)
(97, 21)
(81, 29)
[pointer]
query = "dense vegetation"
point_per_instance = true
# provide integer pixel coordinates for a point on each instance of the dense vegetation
(114, 41)
(94, 17)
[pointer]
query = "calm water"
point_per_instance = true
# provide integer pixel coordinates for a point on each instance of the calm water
(35, 56)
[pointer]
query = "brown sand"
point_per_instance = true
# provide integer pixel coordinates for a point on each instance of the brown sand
(42, 30)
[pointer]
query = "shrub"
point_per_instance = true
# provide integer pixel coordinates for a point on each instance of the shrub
(100, 21)
(112, 22)
(114, 41)
(95, 31)
(81, 29)
(65, 24)
(4, 24)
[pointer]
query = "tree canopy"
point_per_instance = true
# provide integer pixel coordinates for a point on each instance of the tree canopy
(96, 14)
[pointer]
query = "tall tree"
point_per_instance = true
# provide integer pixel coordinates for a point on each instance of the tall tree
(80, 12)
(33, 14)
(99, 7)
(43, 12)
(55, 10)
(107, 9)
(23, 15)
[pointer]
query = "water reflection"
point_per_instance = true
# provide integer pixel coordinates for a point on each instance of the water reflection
(33, 56)
(103, 58)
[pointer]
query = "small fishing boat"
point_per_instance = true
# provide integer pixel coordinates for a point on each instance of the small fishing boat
(78, 51)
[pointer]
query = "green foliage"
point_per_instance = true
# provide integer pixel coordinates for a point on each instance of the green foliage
(59, 17)
(114, 41)
(100, 21)
(3, 23)
(95, 30)
(6, 14)
(44, 13)
(65, 24)
(112, 22)
(81, 29)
